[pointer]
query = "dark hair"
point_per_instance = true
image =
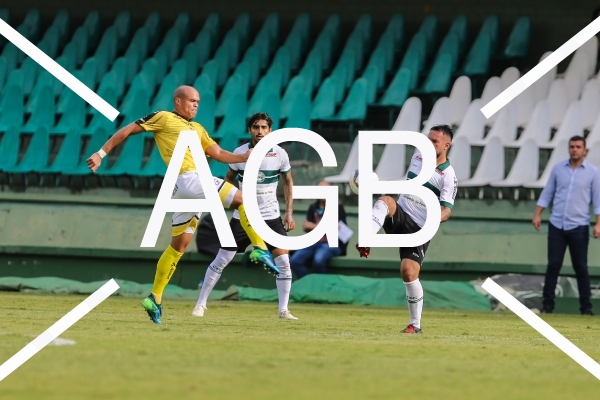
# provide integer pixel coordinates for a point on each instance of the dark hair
(259, 116)
(577, 139)
(445, 129)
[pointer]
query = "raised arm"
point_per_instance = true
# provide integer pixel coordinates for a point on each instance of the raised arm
(225, 156)
(95, 159)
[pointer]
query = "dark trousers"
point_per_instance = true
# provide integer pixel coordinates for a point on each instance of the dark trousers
(577, 239)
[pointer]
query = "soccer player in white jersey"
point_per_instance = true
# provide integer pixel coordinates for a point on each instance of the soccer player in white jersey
(408, 214)
(276, 164)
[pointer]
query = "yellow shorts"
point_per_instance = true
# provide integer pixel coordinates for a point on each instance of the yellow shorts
(188, 186)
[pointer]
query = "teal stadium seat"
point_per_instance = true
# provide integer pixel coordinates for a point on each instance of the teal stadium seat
(9, 147)
(439, 79)
(203, 84)
(45, 79)
(517, 44)
(95, 141)
(490, 27)
(212, 25)
(98, 120)
(62, 21)
(206, 111)
(80, 39)
(183, 25)
(242, 25)
(371, 75)
(73, 114)
(203, 43)
(299, 116)
(287, 102)
(32, 21)
(477, 62)
(396, 26)
(3, 72)
(429, 27)
(35, 156)
(190, 57)
(67, 157)
(234, 121)
(323, 106)
(270, 83)
(153, 25)
(460, 28)
(42, 115)
(233, 87)
(271, 104)
(92, 23)
(398, 90)
(11, 107)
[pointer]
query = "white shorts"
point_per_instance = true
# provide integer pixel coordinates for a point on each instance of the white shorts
(188, 186)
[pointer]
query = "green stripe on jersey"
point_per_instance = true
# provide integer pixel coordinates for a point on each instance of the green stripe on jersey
(412, 175)
(445, 204)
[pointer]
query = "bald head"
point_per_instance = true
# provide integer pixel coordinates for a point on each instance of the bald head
(186, 100)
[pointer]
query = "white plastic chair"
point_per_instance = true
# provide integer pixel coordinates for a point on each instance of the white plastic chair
(560, 153)
(509, 76)
(409, 118)
(538, 127)
(504, 128)
(570, 126)
(490, 167)
(460, 97)
(349, 167)
(472, 127)
(492, 88)
(576, 76)
(541, 87)
(557, 102)
(524, 168)
(593, 155)
(590, 101)
(440, 114)
(594, 135)
(591, 47)
(460, 158)
(525, 102)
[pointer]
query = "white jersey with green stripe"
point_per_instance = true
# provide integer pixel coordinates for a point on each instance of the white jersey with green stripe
(275, 163)
(443, 183)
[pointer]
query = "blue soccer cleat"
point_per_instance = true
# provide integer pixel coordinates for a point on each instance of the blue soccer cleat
(266, 259)
(153, 309)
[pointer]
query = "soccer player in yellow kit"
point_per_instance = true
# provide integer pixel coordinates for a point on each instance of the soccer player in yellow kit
(166, 126)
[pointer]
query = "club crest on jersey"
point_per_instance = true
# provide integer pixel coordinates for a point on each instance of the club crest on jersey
(261, 177)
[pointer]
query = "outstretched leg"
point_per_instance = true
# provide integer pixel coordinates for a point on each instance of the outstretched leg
(384, 207)
(212, 276)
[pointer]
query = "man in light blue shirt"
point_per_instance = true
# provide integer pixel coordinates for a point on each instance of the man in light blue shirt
(572, 186)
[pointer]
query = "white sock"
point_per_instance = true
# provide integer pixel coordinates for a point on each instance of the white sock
(213, 273)
(414, 296)
(380, 213)
(283, 281)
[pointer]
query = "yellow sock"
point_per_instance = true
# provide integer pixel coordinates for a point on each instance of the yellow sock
(167, 263)
(252, 235)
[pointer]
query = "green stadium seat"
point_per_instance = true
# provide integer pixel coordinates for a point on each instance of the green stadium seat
(150, 74)
(92, 23)
(73, 113)
(50, 43)
(378, 60)
(98, 120)
(323, 48)
(269, 84)
(11, 106)
(308, 73)
(190, 57)
(139, 107)
(62, 22)
(172, 43)
(283, 58)
(396, 26)
(430, 27)
(417, 47)
(106, 50)
(164, 98)
(139, 44)
(324, 104)
(179, 71)
(45, 79)
(517, 44)
(387, 47)
(36, 155)
(42, 113)
(211, 71)
(203, 43)
(460, 28)
(206, 111)
(11, 56)
(123, 26)
(212, 26)
(243, 70)
(333, 26)
(130, 159)
(32, 21)
(233, 87)
(155, 166)
(222, 56)
(295, 86)
(439, 79)
(96, 141)
(299, 117)
(153, 28)
(183, 25)
(412, 63)
(109, 81)
(30, 70)
(294, 44)
(9, 147)
(67, 157)
(69, 54)
(354, 107)
(132, 66)
(89, 72)
(119, 71)
(271, 104)
(340, 76)
(80, 40)
(301, 28)
(203, 84)
(477, 61)
(271, 25)
(242, 26)
(3, 72)
(398, 90)
(450, 45)
(371, 75)
(234, 122)
(252, 58)
(233, 42)
(160, 55)
(490, 27)
(263, 44)
(364, 26)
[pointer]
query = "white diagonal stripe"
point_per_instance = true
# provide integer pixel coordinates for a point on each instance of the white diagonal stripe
(59, 72)
(542, 327)
(541, 69)
(59, 327)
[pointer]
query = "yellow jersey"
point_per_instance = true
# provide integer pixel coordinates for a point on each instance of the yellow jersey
(166, 126)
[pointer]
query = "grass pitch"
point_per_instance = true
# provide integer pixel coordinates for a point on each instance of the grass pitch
(242, 351)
